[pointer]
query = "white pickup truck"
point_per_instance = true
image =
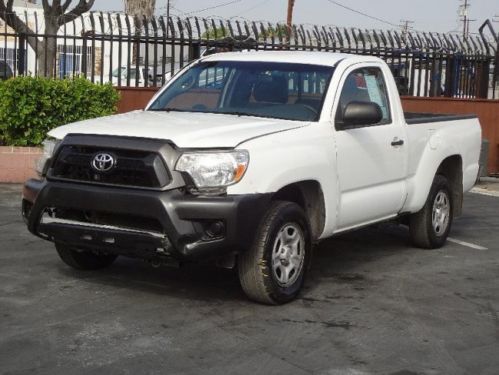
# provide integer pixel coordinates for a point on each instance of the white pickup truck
(248, 159)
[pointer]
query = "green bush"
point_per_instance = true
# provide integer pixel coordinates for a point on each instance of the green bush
(30, 107)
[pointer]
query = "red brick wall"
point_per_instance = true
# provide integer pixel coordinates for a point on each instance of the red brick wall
(132, 98)
(17, 163)
(487, 111)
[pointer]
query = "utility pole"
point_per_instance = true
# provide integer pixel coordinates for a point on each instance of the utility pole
(464, 14)
(466, 21)
(405, 26)
(167, 18)
(289, 18)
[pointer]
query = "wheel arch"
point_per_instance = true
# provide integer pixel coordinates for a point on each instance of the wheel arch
(310, 197)
(448, 164)
(452, 169)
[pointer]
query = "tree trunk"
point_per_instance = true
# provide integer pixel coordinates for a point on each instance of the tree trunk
(140, 8)
(55, 15)
(47, 53)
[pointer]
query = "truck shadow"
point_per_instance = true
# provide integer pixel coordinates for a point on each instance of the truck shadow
(357, 260)
(343, 259)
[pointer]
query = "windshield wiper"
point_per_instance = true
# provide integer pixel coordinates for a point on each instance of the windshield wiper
(167, 109)
(238, 113)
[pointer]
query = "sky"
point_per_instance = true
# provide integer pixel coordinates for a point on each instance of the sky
(427, 15)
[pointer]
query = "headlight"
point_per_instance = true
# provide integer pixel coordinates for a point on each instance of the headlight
(49, 146)
(214, 169)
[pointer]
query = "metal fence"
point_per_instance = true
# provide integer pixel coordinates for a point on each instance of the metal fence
(126, 51)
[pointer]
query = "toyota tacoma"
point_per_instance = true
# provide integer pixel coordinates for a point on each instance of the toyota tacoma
(248, 159)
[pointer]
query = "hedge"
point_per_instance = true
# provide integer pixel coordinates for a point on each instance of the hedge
(31, 106)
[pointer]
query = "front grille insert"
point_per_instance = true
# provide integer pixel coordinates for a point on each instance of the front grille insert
(102, 219)
(132, 167)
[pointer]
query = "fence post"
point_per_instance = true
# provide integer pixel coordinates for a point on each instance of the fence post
(482, 77)
(449, 67)
(453, 76)
(194, 50)
(21, 58)
(84, 55)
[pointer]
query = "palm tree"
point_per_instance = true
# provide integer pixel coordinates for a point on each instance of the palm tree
(140, 8)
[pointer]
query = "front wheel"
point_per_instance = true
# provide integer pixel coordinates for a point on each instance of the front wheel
(272, 271)
(430, 227)
(84, 260)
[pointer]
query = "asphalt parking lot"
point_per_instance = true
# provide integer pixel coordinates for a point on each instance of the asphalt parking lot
(372, 305)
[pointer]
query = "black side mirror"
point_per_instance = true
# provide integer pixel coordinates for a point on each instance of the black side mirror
(361, 114)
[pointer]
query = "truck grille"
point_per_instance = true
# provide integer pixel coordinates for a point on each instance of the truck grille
(132, 168)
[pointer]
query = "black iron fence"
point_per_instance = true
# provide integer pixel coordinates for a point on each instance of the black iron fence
(126, 51)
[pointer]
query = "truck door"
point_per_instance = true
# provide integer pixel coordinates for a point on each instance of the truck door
(371, 159)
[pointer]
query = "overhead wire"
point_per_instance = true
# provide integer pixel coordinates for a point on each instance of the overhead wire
(214, 6)
(251, 9)
(362, 13)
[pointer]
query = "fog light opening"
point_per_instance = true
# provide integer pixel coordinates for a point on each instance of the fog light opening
(215, 229)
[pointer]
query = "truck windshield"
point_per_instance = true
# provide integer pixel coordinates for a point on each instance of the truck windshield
(263, 89)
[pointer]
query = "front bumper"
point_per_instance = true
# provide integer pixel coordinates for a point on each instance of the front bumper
(185, 229)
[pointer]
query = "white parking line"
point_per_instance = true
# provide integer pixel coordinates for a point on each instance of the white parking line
(481, 191)
(467, 244)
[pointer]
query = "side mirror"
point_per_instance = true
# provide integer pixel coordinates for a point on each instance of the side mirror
(361, 114)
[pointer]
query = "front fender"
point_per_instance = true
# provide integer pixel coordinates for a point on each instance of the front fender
(281, 159)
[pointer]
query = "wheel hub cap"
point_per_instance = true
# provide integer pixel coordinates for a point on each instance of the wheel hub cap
(440, 213)
(288, 254)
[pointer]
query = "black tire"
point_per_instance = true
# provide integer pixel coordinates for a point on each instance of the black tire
(422, 230)
(84, 260)
(258, 279)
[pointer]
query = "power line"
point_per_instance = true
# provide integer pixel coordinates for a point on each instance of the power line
(178, 10)
(362, 13)
(214, 6)
(252, 8)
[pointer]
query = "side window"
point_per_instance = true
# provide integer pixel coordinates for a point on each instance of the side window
(365, 85)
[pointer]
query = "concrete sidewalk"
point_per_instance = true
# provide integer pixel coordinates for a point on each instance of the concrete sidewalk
(487, 186)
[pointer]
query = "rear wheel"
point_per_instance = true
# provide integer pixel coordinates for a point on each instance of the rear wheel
(82, 259)
(430, 227)
(272, 271)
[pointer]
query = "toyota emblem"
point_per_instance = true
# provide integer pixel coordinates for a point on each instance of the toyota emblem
(103, 162)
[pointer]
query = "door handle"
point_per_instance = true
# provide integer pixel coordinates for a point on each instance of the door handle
(397, 142)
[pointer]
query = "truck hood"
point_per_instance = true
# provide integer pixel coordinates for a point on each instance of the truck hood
(184, 129)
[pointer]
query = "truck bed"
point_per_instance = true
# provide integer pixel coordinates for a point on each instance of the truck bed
(419, 118)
